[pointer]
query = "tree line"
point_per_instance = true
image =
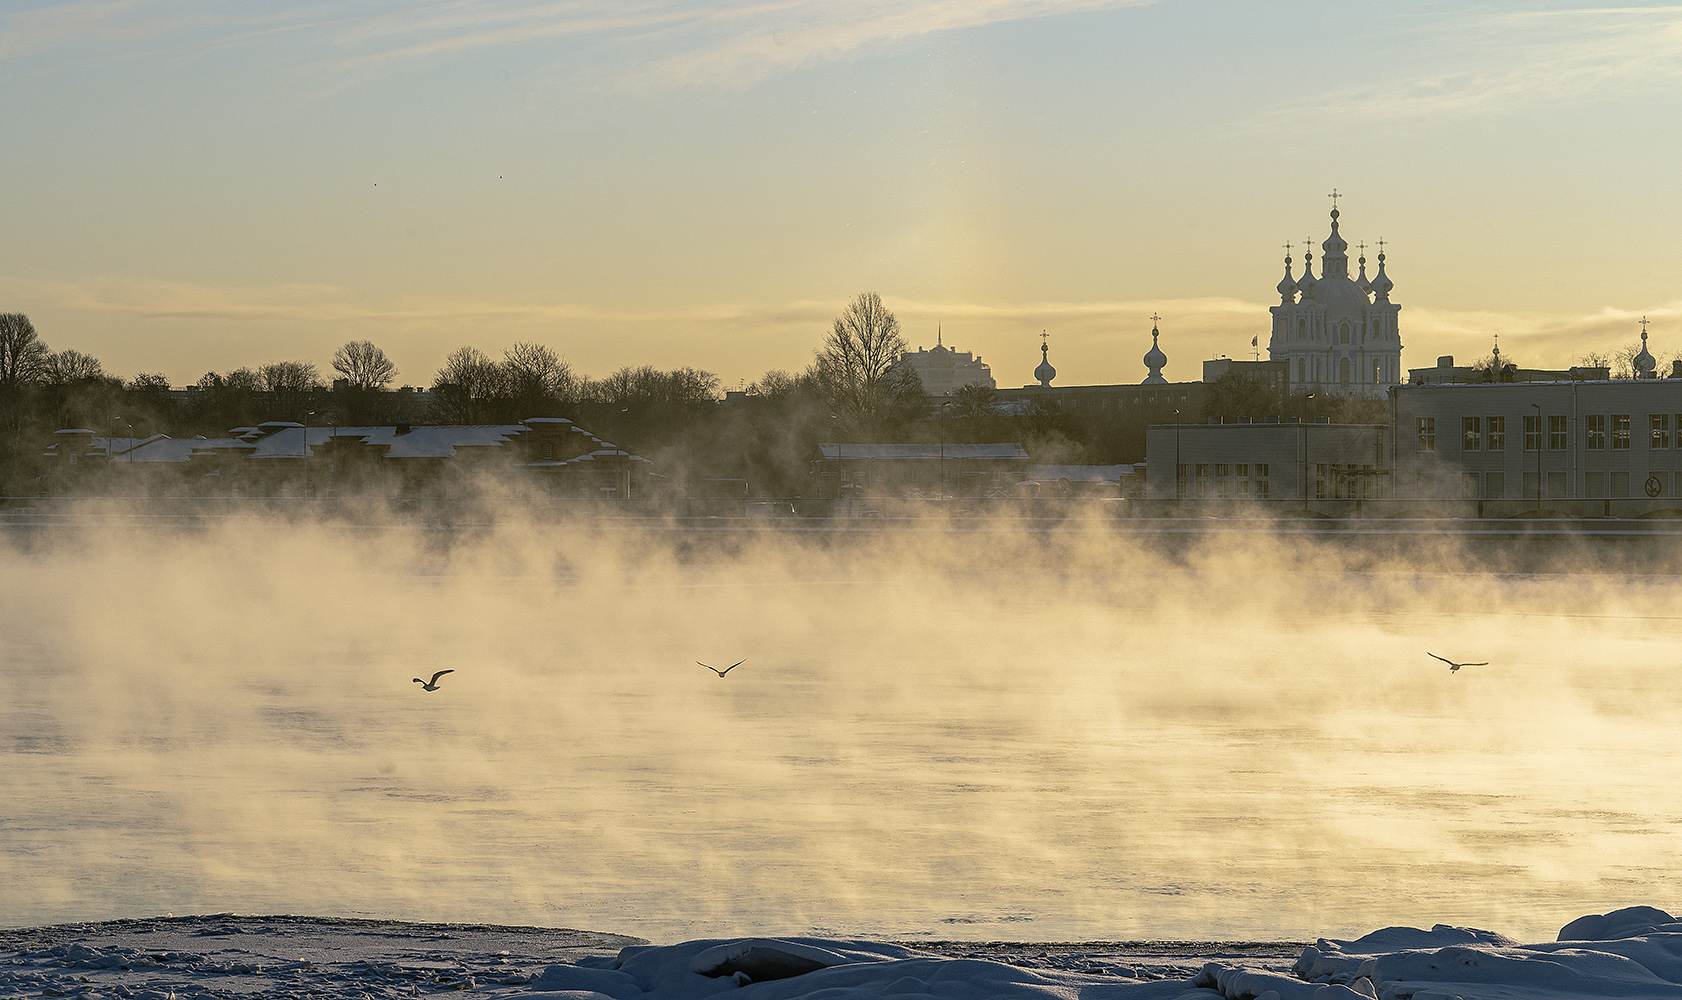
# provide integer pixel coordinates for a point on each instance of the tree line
(852, 390)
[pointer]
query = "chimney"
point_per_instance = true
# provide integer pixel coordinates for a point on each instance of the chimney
(1446, 361)
(402, 429)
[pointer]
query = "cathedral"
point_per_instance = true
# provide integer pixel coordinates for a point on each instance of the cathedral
(1337, 334)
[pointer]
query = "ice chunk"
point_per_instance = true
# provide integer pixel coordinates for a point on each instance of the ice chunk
(1627, 922)
(763, 959)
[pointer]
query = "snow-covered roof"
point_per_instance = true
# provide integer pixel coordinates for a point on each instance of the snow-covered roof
(848, 451)
(1080, 473)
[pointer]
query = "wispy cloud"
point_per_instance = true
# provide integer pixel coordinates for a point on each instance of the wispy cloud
(658, 42)
(1495, 64)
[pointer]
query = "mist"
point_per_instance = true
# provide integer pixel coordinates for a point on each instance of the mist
(991, 734)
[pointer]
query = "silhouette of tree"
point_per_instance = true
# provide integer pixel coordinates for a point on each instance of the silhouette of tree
(464, 389)
(536, 383)
(23, 357)
(857, 371)
(364, 366)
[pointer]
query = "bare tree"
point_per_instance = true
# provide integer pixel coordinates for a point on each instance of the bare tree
(363, 365)
(463, 389)
(537, 382)
(856, 367)
(71, 365)
(23, 357)
(290, 384)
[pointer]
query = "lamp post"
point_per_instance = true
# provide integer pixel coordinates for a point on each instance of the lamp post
(1538, 408)
(1306, 397)
(943, 407)
(307, 415)
(1179, 490)
(624, 454)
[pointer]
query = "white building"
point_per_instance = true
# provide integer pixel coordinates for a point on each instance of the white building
(945, 371)
(1265, 461)
(1337, 334)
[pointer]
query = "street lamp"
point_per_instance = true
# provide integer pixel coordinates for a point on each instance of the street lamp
(1179, 488)
(943, 407)
(1304, 480)
(307, 415)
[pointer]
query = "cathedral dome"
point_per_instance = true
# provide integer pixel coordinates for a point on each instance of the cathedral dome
(1342, 297)
(1154, 360)
(1381, 283)
(1644, 362)
(1045, 373)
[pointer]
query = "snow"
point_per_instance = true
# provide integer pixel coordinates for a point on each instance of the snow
(1634, 953)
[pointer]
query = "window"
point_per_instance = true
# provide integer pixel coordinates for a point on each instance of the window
(1261, 471)
(1261, 488)
(1469, 485)
(1494, 485)
(1594, 432)
(1241, 471)
(1427, 433)
(1497, 437)
(1532, 433)
(1343, 370)
(1377, 371)
(1620, 432)
(1343, 336)
(1183, 471)
(1559, 434)
(1302, 329)
(1661, 430)
(1472, 436)
(1202, 471)
(1244, 487)
(1223, 470)
(1302, 370)
(549, 452)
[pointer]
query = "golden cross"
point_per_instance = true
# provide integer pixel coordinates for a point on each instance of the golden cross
(1334, 196)
(1644, 326)
(1381, 247)
(1044, 336)
(1155, 319)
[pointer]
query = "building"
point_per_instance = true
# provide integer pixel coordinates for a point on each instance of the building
(1270, 460)
(842, 468)
(550, 455)
(1446, 372)
(1273, 374)
(1337, 334)
(945, 371)
(1569, 440)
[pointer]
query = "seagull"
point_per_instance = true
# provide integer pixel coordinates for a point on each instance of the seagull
(432, 685)
(726, 670)
(1452, 666)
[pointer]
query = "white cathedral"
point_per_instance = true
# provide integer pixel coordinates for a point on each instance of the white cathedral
(1337, 334)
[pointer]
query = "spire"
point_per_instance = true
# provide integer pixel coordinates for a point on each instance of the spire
(1154, 358)
(1045, 373)
(1643, 362)
(1361, 279)
(1287, 285)
(1381, 283)
(937, 342)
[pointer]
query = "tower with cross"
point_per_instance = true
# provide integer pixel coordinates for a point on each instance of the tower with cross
(1336, 333)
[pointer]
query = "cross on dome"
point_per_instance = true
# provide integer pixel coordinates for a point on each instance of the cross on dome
(1334, 196)
(1643, 328)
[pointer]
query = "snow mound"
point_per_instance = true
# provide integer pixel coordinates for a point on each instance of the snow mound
(1627, 922)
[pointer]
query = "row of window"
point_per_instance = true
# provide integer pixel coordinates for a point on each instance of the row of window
(1230, 479)
(1599, 430)
(1596, 485)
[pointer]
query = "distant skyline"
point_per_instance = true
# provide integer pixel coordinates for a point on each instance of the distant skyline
(195, 186)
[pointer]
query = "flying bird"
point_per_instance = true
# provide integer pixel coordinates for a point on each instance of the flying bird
(432, 685)
(726, 670)
(1452, 666)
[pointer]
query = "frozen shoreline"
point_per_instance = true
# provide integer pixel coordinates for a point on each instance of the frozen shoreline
(1632, 953)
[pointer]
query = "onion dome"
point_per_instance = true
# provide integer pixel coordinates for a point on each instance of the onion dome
(1644, 363)
(1306, 285)
(1361, 279)
(1045, 373)
(1287, 286)
(1154, 360)
(1381, 283)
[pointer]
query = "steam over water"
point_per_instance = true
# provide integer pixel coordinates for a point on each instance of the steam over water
(938, 734)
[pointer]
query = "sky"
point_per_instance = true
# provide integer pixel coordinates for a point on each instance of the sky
(190, 185)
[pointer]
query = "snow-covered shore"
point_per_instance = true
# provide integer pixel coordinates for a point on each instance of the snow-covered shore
(1635, 953)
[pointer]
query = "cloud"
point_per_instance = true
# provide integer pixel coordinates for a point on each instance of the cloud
(1494, 64)
(663, 42)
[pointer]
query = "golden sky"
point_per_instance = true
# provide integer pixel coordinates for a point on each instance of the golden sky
(188, 186)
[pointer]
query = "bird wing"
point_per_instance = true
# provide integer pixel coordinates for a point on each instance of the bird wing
(710, 667)
(1484, 664)
(1434, 656)
(419, 681)
(731, 667)
(440, 674)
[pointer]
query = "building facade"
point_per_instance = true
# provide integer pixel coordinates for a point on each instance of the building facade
(1337, 335)
(1612, 439)
(1271, 460)
(945, 371)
